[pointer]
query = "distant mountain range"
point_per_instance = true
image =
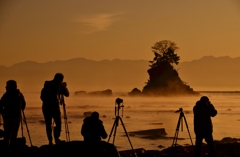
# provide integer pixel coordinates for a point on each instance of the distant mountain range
(211, 73)
(206, 73)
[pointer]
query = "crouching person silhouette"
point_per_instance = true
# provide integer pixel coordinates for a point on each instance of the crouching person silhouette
(11, 105)
(93, 133)
(93, 130)
(203, 111)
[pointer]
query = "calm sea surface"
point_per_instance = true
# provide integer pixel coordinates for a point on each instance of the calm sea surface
(137, 114)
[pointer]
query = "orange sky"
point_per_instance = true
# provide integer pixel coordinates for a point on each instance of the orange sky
(48, 30)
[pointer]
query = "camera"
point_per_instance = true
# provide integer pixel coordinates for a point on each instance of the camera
(118, 106)
(180, 110)
(64, 84)
(119, 101)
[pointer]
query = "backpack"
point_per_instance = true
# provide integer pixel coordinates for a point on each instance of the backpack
(49, 92)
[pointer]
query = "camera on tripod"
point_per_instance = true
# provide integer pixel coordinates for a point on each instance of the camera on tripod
(180, 110)
(180, 124)
(118, 105)
(119, 101)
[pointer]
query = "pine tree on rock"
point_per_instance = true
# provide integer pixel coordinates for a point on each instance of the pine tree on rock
(163, 78)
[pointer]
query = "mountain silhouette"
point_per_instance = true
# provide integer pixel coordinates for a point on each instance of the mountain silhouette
(79, 73)
(211, 73)
(206, 73)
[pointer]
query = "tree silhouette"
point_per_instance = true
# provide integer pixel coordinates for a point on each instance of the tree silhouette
(163, 78)
(164, 51)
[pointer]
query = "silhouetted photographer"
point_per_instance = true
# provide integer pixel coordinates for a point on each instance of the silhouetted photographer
(51, 99)
(92, 129)
(11, 105)
(93, 132)
(203, 111)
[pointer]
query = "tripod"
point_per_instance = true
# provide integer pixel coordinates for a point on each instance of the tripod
(25, 121)
(118, 106)
(65, 118)
(180, 121)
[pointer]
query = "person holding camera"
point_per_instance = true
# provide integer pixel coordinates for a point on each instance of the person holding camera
(50, 96)
(203, 128)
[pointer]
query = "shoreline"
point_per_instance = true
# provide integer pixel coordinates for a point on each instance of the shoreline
(226, 147)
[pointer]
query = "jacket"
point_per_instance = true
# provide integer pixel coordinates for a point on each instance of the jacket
(93, 130)
(11, 104)
(203, 111)
(50, 94)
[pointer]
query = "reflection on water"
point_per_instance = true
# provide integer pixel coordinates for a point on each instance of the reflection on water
(138, 114)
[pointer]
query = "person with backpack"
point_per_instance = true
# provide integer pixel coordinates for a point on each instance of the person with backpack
(11, 106)
(203, 128)
(50, 96)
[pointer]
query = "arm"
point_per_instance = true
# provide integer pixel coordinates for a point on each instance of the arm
(2, 104)
(213, 111)
(82, 130)
(23, 102)
(64, 90)
(104, 134)
(1, 107)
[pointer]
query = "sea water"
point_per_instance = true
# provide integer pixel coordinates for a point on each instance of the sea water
(138, 113)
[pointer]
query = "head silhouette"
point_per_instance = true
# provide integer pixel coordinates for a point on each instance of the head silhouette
(58, 77)
(204, 99)
(11, 85)
(95, 115)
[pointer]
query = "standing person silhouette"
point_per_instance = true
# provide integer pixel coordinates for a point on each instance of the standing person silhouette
(50, 96)
(11, 104)
(203, 128)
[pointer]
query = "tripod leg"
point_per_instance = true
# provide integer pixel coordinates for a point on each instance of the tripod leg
(27, 127)
(21, 123)
(175, 138)
(128, 137)
(66, 124)
(187, 129)
(67, 130)
(177, 131)
(114, 128)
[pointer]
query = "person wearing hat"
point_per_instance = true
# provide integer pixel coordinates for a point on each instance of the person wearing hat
(50, 96)
(203, 128)
(11, 104)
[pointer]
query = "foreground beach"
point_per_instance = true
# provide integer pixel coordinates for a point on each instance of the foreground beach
(140, 114)
(227, 147)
